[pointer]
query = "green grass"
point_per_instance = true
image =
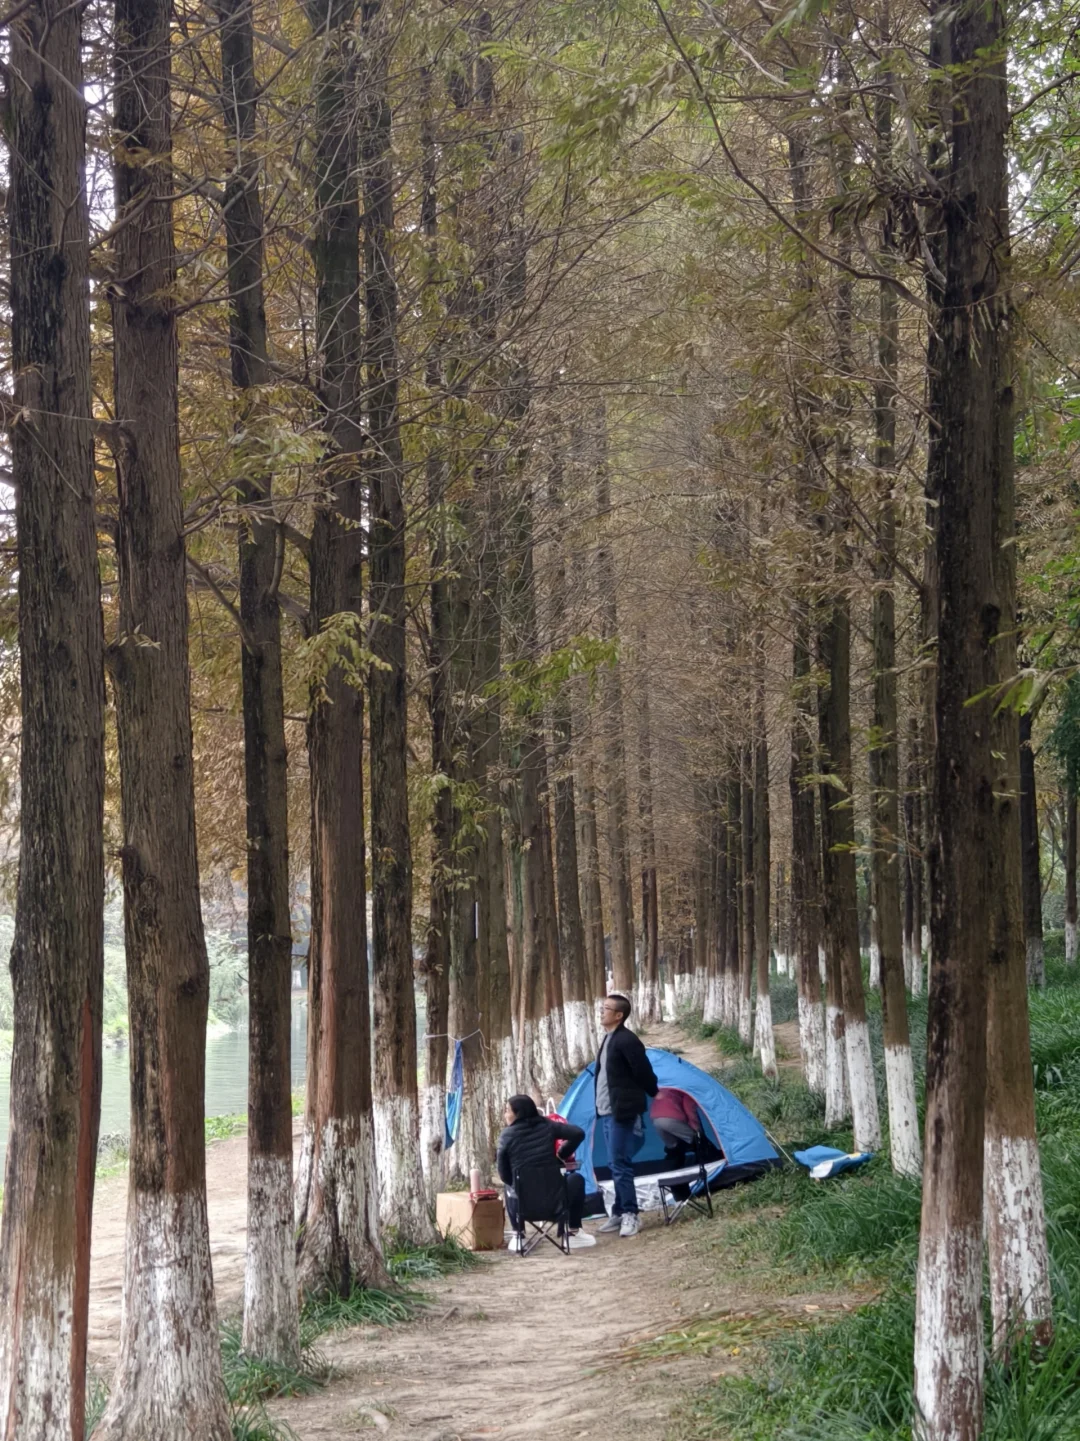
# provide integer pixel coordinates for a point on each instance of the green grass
(250, 1381)
(424, 1263)
(852, 1378)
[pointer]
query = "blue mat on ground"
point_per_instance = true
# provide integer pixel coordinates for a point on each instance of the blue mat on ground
(825, 1161)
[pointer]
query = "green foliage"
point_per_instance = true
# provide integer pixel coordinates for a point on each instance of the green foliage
(362, 1307)
(250, 1380)
(220, 1128)
(528, 686)
(1064, 739)
(852, 1378)
(424, 1263)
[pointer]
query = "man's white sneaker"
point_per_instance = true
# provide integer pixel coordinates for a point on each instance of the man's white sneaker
(610, 1226)
(580, 1239)
(629, 1226)
(514, 1243)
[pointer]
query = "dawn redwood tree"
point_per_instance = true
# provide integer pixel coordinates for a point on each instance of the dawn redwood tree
(271, 1313)
(904, 1145)
(56, 958)
(1070, 874)
(337, 1188)
(805, 872)
(838, 851)
(403, 1201)
(1031, 869)
(592, 910)
(747, 912)
(168, 1380)
(611, 703)
(648, 1007)
(764, 1040)
(970, 405)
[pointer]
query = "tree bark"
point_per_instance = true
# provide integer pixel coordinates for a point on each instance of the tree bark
(972, 423)
(339, 1244)
(838, 845)
(56, 959)
(648, 1007)
(611, 699)
(747, 913)
(1070, 875)
(271, 1314)
(402, 1197)
(592, 902)
(904, 1143)
(1031, 872)
(913, 862)
(168, 1381)
(764, 1040)
(805, 871)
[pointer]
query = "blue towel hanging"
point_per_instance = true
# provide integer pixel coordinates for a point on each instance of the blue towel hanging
(454, 1095)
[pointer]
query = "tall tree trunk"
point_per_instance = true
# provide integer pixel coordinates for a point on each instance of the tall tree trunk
(402, 1198)
(580, 1034)
(338, 1189)
(764, 1040)
(731, 989)
(168, 1381)
(904, 1143)
(611, 700)
(648, 1007)
(805, 872)
(592, 903)
(1070, 874)
(838, 845)
(913, 861)
(747, 913)
(1031, 872)
(436, 963)
(972, 421)
(271, 1315)
(1015, 1215)
(56, 958)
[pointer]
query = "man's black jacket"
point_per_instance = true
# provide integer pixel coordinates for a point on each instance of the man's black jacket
(630, 1076)
(530, 1145)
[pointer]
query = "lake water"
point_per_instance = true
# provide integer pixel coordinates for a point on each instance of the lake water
(226, 1079)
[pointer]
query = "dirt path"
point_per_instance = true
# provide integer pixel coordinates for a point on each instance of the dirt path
(514, 1349)
(670, 1036)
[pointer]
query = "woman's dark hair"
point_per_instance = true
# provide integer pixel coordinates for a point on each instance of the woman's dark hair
(524, 1108)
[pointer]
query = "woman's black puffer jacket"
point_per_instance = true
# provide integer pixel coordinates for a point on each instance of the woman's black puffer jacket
(529, 1144)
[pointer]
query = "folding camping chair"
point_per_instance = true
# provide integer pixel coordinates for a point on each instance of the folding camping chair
(692, 1178)
(542, 1206)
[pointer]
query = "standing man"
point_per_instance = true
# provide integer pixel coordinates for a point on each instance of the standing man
(624, 1082)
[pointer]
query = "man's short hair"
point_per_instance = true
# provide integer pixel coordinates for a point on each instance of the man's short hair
(622, 1003)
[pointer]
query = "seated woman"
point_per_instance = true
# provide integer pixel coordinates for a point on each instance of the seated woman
(531, 1141)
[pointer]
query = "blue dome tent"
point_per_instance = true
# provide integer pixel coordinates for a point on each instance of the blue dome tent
(726, 1122)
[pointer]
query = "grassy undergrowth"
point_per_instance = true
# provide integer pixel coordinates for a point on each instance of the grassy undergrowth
(852, 1377)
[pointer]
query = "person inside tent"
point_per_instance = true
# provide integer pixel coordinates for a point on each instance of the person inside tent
(675, 1117)
(533, 1142)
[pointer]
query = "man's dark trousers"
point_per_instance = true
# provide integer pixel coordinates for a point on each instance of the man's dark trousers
(623, 1140)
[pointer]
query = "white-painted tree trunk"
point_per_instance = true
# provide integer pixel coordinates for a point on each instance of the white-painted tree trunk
(684, 991)
(1020, 1282)
(875, 966)
(508, 1081)
(948, 1349)
(546, 1070)
(918, 974)
(904, 1142)
(837, 1096)
(168, 1378)
(271, 1307)
(821, 963)
(35, 1386)
(432, 1138)
(783, 966)
(812, 1044)
(908, 965)
(764, 1039)
(403, 1202)
(1070, 942)
(746, 1032)
(580, 1040)
(698, 994)
(302, 1177)
(671, 1010)
(712, 1012)
(1036, 964)
(925, 946)
(647, 1006)
(864, 1101)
